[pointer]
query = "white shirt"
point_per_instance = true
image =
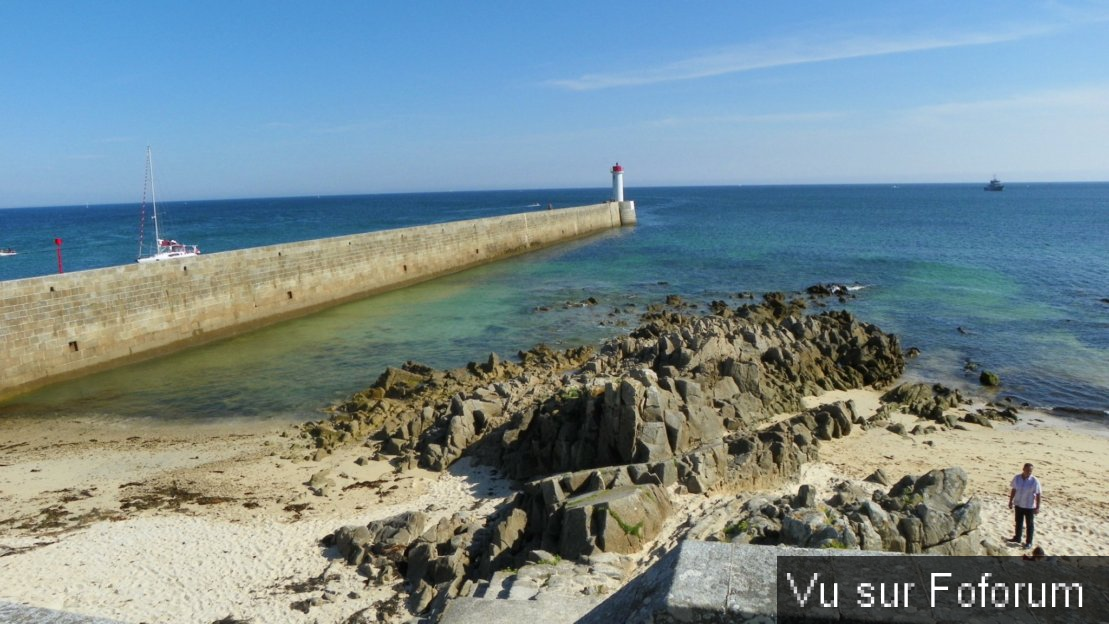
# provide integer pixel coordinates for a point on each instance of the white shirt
(1026, 491)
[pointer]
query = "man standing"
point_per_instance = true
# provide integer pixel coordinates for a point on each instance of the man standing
(1025, 496)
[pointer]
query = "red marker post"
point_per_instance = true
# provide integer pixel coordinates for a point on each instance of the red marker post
(58, 242)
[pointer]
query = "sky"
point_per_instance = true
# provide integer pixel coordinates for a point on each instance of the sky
(250, 98)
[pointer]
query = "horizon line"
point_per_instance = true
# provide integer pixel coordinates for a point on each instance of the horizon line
(557, 188)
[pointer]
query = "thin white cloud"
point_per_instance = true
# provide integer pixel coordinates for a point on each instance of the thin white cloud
(778, 53)
(1093, 99)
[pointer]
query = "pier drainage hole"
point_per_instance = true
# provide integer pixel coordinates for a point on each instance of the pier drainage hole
(73, 345)
(185, 269)
(290, 293)
(406, 268)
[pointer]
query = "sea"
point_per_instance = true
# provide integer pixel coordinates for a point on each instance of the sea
(1015, 282)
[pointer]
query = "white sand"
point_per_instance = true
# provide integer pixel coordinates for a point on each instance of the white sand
(202, 562)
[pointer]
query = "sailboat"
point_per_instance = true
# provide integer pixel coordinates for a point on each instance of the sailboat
(165, 248)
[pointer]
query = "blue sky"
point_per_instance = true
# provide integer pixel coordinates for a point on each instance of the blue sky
(246, 99)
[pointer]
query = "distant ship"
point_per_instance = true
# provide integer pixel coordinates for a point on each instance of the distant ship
(994, 185)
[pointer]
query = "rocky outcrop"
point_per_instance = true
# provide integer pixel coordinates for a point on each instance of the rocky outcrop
(600, 438)
(690, 377)
(676, 384)
(937, 403)
(925, 514)
(576, 513)
(379, 541)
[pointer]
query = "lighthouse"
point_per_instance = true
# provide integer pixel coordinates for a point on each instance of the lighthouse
(626, 208)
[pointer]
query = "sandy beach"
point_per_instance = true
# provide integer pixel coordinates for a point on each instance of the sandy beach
(216, 522)
(142, 522)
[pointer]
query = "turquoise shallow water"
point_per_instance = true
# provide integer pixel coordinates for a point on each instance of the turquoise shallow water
(1022, 273)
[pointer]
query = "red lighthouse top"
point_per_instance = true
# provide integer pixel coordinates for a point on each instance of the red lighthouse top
(617, 168)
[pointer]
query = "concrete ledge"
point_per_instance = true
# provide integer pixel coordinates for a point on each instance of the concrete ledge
(551, 610)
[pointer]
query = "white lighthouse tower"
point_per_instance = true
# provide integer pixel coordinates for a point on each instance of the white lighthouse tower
(627, 208)
(617, 183)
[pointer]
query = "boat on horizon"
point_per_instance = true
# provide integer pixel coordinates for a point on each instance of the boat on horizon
(994, 185)
(164, 248)
(8, 251)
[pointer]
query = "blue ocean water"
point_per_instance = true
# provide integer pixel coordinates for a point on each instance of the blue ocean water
(1015, 282)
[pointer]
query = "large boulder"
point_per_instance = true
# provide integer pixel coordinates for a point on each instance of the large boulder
(388, 537)
(942, 489)
(619, 520)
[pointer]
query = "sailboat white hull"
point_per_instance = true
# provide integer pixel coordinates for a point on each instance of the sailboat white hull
(169, 255)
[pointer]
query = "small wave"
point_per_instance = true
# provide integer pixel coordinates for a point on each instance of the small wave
(1080, 411)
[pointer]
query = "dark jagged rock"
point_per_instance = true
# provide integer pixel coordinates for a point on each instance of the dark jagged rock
(879, 477)
(387, 538)
(829, 290)
(929, 401)
(923, 514)
(1007, 413)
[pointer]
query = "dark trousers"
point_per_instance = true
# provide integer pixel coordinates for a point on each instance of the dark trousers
(1025, 517)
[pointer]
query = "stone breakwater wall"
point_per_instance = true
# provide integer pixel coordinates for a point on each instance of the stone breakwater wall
(62, 326)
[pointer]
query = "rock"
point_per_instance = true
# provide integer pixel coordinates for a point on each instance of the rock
(879, 477)
(804, 527)
(321, 483)
(942, 489)
(848, 493)
(624, 518)
(806, 497)
(978, 419)
(398, 382)
(507, 537)
(380, 537)
(989, 379)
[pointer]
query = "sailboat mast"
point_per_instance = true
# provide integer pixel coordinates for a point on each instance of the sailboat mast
(153, 197)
